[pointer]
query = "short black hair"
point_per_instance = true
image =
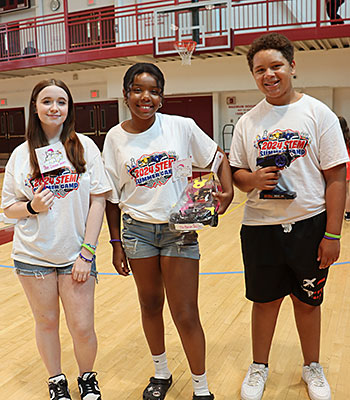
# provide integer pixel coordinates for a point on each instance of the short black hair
(140, 68)
(269, 41)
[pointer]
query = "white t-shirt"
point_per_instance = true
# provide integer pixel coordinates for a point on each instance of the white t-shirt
(53, 238)
(311, 132)
(140, 165)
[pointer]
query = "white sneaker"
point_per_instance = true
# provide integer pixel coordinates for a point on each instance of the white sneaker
(253, 385)
(317, 384)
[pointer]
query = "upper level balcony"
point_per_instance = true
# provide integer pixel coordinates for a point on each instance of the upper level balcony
(109, 36)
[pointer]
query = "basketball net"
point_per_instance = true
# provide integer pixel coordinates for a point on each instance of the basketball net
(185, 48)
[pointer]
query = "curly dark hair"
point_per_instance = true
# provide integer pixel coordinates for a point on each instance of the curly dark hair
(270, 41)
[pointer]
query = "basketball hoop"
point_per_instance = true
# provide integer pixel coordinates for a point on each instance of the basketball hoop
(185, 48)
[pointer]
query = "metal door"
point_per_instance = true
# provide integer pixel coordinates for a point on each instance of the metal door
(95, 119)
(12, 129)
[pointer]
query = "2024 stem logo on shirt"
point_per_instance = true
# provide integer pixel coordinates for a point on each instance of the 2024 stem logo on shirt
(151, 170)
(60, 184)
(280, 141)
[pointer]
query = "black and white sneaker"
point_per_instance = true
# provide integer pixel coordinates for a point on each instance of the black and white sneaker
(88, 386)
(58, 388)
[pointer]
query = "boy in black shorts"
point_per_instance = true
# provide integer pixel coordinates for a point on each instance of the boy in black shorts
(288, 154)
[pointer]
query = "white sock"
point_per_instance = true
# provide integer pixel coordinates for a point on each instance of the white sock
(161, 366)
(200, 385)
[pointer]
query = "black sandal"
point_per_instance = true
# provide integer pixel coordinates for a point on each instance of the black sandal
(206, 397)
(157, 388)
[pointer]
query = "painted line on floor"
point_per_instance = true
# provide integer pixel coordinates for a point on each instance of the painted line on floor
(115, 273)
(201, 273)
(233, 209)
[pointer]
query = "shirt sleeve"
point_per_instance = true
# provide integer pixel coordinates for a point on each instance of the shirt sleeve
(202, 147)
(238, 155)
(8, 196)
(332, 149)
(99, 182)
(109, 160)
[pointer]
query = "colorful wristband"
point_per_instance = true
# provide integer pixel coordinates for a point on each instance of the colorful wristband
(332, 235)
(89, 247)
(86, 259)
(329, 238)
(114, 240)
(30, 208)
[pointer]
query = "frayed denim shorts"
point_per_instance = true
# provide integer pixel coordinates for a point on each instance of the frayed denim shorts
(39, 272)
(143, 240)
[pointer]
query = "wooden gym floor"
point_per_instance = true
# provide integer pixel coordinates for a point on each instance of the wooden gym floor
(123, 362)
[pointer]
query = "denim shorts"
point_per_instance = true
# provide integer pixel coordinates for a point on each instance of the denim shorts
(38, 271)
(143, 240)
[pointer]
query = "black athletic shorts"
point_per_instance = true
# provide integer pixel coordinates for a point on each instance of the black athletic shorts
(277, 264)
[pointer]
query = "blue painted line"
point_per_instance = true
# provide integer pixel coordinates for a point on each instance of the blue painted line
(115, 273)
(201, 273)
(221, 273)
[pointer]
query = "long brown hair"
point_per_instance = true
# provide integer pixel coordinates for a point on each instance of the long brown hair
(37, 138)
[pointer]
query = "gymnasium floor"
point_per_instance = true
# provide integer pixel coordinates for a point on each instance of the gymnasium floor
(123, 362)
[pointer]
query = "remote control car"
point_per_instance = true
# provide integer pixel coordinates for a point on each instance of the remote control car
(196, 207)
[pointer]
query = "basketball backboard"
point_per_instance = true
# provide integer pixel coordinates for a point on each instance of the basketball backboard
(206, 22)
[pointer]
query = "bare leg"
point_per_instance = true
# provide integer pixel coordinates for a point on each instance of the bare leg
(308, 320)
(78, 302)
(181, 282)
(149, 282)
(42, 295)
(264, 318)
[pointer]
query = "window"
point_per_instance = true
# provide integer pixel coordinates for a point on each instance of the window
(13, 5)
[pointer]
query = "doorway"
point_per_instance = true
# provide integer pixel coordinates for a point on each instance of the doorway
(12, 129)
(200, 108)
(96, 119)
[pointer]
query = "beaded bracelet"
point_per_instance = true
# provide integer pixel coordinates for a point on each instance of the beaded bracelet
(331, 236)
(89, 247)
(114, 240)
(86, 259)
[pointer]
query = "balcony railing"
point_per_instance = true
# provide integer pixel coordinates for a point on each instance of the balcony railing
(132, 27)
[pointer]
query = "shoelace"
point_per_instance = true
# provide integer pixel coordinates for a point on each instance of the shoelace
(61, 389)
(317, 376)
(90, 386)
(255, 376)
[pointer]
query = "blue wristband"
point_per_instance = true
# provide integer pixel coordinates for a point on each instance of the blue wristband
(114, 240)
(86, 259)
(330, 238)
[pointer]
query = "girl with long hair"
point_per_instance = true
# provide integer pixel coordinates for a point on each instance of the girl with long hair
(59, 216)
